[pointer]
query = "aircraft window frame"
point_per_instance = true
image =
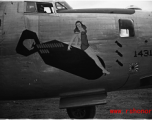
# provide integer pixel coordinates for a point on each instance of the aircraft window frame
(126, 28)
(65, 8)
(45, 5)
(38, 6)
(26, 5)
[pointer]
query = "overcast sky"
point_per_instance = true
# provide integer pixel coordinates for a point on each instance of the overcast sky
(143, 4)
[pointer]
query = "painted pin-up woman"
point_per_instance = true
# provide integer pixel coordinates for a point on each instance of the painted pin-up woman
(80, 35)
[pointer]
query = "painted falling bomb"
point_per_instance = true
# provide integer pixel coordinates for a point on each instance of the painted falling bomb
(55, 53)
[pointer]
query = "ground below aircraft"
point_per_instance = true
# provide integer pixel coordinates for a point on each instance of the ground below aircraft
(35, 62)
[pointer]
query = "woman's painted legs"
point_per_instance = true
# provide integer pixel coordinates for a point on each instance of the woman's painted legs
(91, 53)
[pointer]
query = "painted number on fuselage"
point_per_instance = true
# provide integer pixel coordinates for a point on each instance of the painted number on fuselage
(143, 53)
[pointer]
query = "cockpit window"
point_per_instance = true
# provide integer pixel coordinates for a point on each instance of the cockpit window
(60, 6)
(30, 7)
(45, 8)
(126, 28)
(39, 7)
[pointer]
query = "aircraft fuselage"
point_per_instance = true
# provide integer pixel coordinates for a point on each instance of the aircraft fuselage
(122, 40)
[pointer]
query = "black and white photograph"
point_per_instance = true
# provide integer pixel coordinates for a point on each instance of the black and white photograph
(75, 59)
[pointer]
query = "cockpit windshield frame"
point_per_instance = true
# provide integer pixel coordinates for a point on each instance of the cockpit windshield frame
(61, 5)
(64, 4)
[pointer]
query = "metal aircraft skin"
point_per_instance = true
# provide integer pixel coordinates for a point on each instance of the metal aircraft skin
(35, 62)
